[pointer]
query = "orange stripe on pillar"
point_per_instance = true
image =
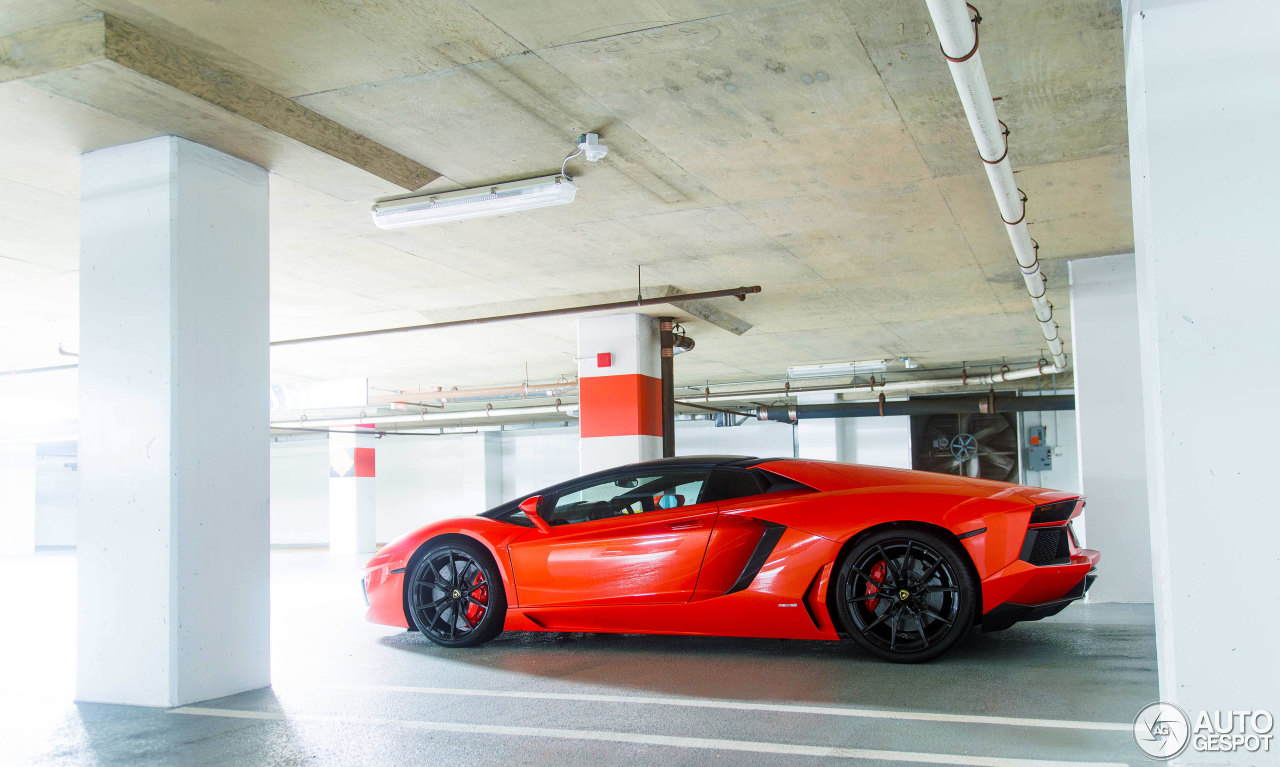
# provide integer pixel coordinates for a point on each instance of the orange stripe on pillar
(364, 462)
(616, 406)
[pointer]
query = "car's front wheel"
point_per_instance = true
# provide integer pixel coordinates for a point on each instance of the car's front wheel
(455, 594)
(906, 595)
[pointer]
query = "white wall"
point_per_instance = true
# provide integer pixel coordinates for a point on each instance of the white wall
(57, 498)
(536, 458)
(424, 479)
(767, 439)
(1060, 434)
(878, 441)
(1113, 469)
(17, 498)
(421, 479)
(300, 492)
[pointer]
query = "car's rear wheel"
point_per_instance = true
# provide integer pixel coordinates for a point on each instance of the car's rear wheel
(906, 595)
(455, 595)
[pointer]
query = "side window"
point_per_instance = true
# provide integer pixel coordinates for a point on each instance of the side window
(622, 495)
(727, 484)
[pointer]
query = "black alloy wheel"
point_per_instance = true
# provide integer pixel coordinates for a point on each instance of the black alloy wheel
(455, 595)
(906, 595)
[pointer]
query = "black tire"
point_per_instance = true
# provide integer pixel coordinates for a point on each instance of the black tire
(455, 594)
(906, 595)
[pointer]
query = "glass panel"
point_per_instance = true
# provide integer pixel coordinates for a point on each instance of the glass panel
(633, 494)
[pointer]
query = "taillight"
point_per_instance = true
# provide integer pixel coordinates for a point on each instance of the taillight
(1049, 513)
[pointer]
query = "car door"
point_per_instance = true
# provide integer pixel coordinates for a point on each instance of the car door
(633, 538)
(740, 543)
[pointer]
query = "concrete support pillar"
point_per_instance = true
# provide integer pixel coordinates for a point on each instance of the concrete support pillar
(173, 522)
(820, 438)
(619, 390)
(1113, 456)
(353, 498)
(17, 499)
(1202, 84)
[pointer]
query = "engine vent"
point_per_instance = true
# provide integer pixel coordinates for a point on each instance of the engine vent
(1047, 546)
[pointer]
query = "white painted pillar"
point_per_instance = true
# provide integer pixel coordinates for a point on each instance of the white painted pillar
(173, 522)
(1113, 457)
(17, 499)
(353, 499)
(820, 438)
(1204, 101)
(620, 395)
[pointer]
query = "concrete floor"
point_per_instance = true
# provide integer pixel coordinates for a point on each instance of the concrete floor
(347, 693)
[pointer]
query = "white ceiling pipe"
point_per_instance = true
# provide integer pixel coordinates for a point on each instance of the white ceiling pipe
(532, 390)
(887, 387)
(461, 415)
(959, 39)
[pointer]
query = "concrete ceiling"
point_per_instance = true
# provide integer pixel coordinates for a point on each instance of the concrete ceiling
(815, 148)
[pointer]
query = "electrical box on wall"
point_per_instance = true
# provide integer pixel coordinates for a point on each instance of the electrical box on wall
(1039, 454)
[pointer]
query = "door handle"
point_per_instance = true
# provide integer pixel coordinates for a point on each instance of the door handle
(685, 525)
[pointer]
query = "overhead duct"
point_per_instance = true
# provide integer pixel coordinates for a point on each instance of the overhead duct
(958, 35)
(994, 403)
(872, 386)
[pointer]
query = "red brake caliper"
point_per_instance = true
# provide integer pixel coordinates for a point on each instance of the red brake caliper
(877, 573)
(481, 595)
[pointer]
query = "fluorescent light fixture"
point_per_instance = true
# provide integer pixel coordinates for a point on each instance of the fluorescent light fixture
(437, 207)
(838, 369)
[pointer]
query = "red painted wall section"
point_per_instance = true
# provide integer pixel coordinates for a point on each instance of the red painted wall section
(618, 406)
(364, 462)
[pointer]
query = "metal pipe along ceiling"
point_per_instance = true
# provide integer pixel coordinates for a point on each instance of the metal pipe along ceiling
(958, 35)
(996, 403)
(570, 411)
(1003, 376)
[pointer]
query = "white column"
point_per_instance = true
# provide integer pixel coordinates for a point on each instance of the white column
(353, 500)
(620, 397)
(820, 438)
(1113, 456)
(1204, 101)
(17, 498)
(173, 522)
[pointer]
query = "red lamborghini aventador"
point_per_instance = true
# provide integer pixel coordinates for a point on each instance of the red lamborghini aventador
(903, 563)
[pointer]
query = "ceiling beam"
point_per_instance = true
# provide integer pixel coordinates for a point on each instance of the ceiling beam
(49, 49)
(709, 312)
(81, 49)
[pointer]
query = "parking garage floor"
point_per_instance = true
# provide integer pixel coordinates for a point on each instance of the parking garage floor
(347, 692)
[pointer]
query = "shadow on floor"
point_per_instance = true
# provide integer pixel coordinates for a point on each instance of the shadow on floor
(1085, 670)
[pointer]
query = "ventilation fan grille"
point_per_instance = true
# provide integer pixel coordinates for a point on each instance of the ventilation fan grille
(983, 445)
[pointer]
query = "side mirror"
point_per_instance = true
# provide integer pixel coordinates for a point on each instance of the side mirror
(530, 508)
